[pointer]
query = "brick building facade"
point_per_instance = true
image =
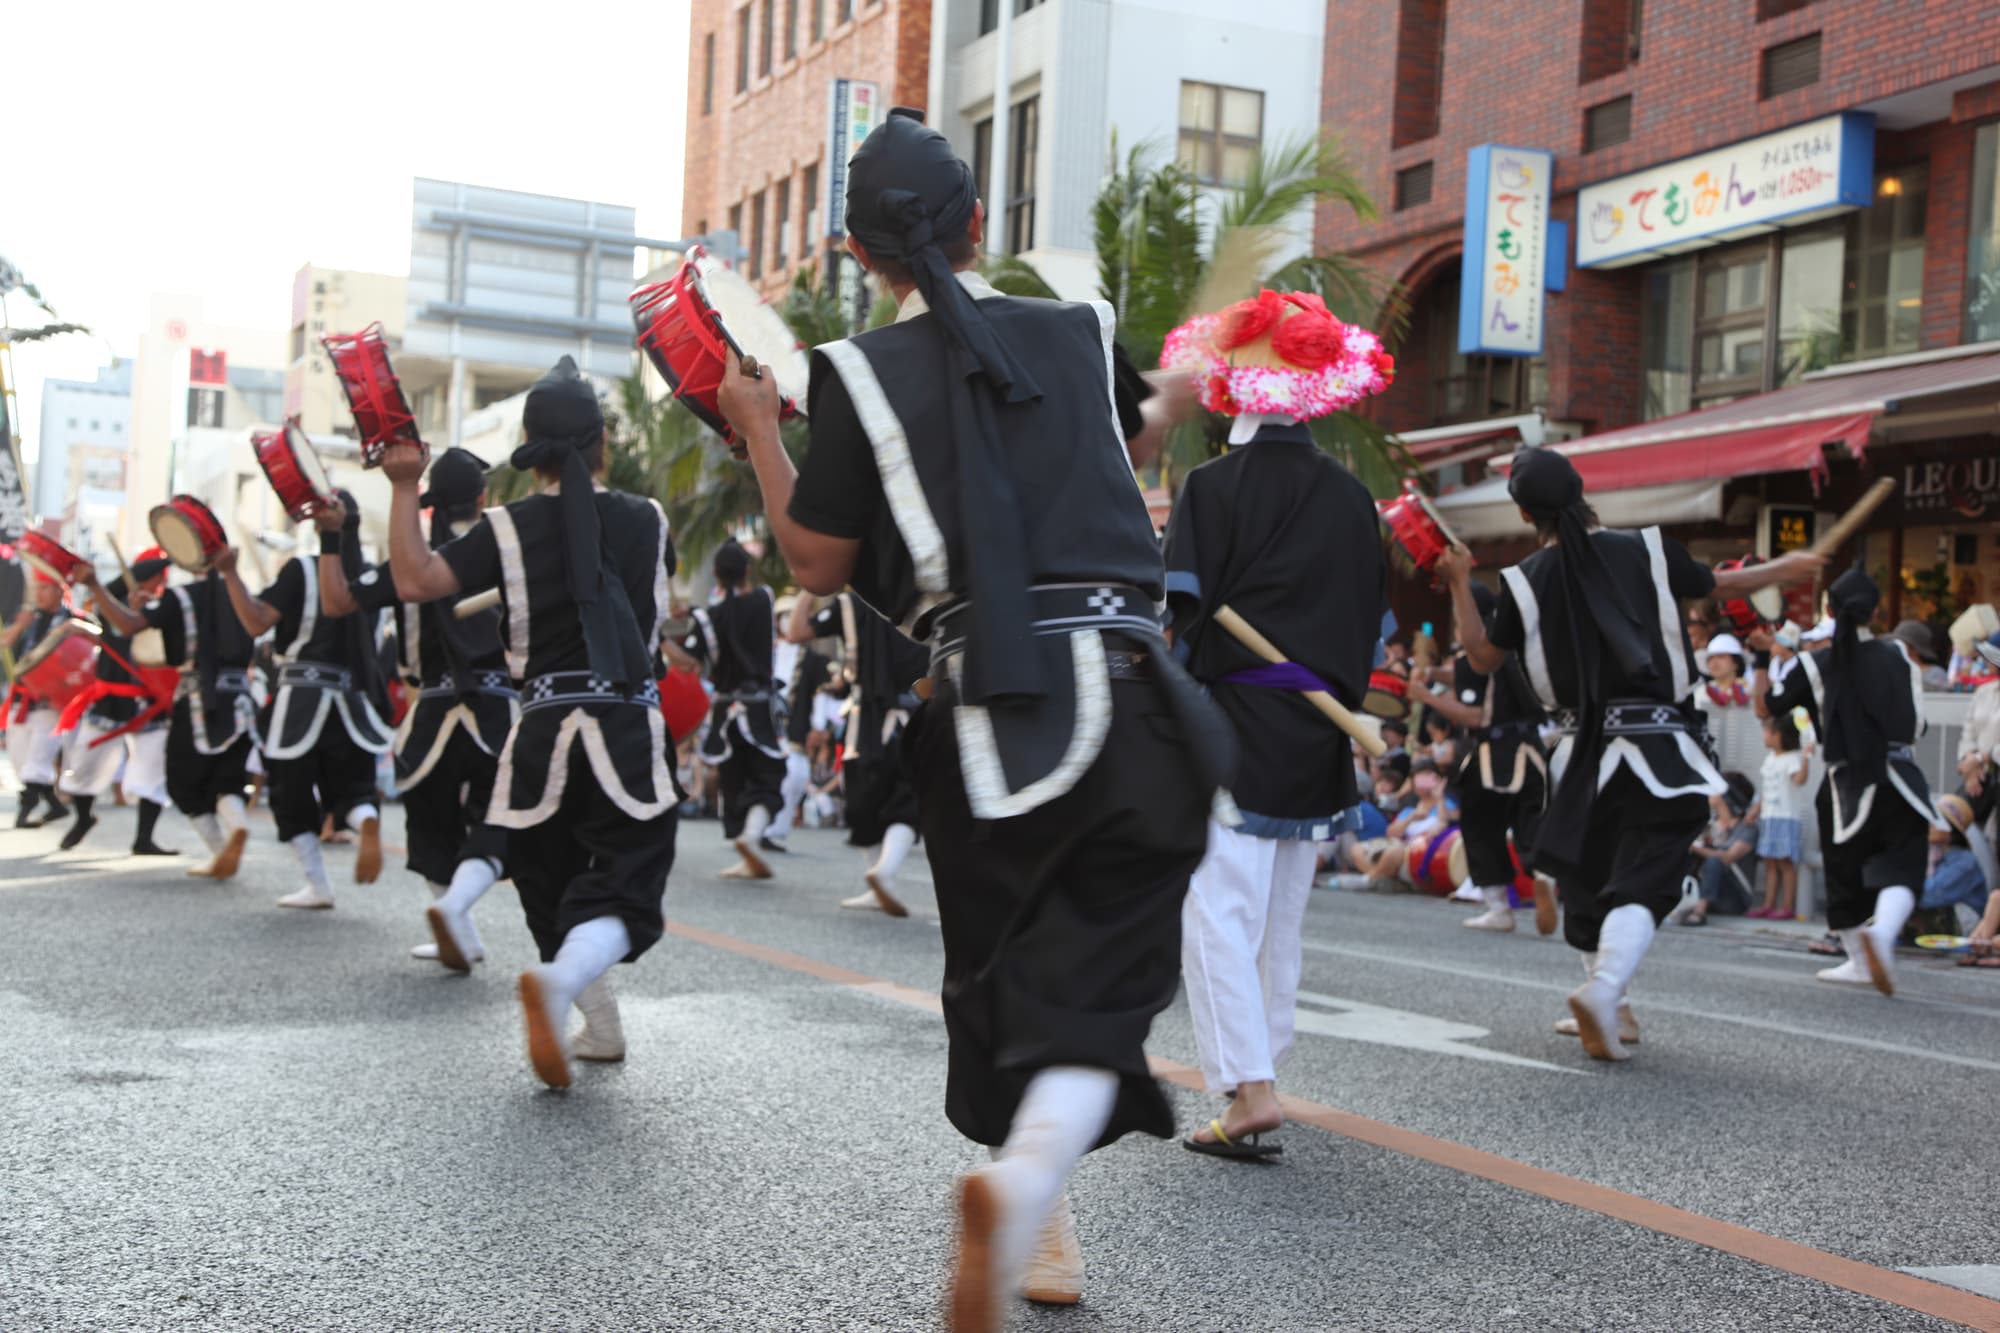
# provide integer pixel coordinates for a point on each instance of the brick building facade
(1613, 87)
(757, 114)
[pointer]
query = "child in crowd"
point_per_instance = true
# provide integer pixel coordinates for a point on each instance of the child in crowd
(1961, 861)
(1780, 809)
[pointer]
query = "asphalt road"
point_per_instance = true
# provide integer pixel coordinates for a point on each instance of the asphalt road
(216, 1114)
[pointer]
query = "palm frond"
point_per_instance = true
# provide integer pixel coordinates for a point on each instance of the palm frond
(1015, 276)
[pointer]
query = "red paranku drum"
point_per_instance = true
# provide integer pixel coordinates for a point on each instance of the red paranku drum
(1388, 696)
(62, 665)
(374, 394)
(683, 703)
(49, 557)
(1435, 862)
(1417, 527)
(1764, 607)
(698, 325)
(293, 469)
(189, 532)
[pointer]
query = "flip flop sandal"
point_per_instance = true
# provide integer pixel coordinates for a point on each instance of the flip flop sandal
(1980, 960)
(1252, 1148)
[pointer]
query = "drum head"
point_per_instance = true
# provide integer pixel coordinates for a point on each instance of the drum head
(753, 327)
(39, 565)
(1770, 604)
(1383, 704)
(149, 648)
(177, 536)
(306, 459)
(52, 641)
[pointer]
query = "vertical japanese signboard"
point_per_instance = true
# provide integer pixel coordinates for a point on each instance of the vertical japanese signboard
(1503, 286)
(854, 108)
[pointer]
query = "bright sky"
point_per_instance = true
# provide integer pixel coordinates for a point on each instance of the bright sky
(215, 148)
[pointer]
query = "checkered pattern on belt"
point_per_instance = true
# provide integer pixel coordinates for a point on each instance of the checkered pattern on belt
(1058, 609)
(496, 683)
(314, 675)
(1642, 717)
(567, 689)
(229, 680)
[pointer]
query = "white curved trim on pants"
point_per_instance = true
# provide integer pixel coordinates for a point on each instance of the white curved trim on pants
(579, 723)
(979, 749)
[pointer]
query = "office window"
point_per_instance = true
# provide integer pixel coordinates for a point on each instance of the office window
(1023, 129)
(765, 34)
(204, 407)
(1610, 38)
(982, 155)
(791, 29)
(1982, 260)
(1221, 132)
(1882, 302)
(1469, 388)
(756, 246)
(743, 49)
(1607, 123)
(844, 12)
(708, 74)
(989, 13)
(736, 232)
(1790, 66)
(811, 231)
(1413, 185)
(1419, 71)
(818, 20)
(781, 224)
(298, 342)
(1770, 9)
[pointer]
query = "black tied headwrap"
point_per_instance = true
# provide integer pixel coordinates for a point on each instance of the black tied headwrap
(457, 480)
(1853, 735)
(1546, 485)
(145, 571)
(907, 193)
(561, 420)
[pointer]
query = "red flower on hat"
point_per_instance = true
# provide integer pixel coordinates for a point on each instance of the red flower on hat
(1310, 339)
(1385, 366)
(1247, 321)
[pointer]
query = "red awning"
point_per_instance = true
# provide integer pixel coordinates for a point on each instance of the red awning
(1786, 430)
(1429, 450)
(1793, 447)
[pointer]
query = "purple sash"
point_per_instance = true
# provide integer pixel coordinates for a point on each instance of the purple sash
(1279, 676)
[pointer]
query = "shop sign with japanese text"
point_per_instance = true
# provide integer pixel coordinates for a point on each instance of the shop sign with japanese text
(1793, 176)
(1502, 296)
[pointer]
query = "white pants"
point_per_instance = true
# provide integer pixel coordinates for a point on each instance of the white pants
(1240, 932)
(798, 772)
(89, 770)
(32, 747)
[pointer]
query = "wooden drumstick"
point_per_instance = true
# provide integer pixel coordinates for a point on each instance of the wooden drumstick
(1241, 630)
(1845, 525)
(131, 583)
(479, 601)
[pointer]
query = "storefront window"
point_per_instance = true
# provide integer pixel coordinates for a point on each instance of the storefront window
(1666, 336)
(1982, 260)
(1846, 290)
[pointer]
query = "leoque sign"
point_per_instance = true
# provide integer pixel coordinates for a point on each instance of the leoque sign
(1965, 487)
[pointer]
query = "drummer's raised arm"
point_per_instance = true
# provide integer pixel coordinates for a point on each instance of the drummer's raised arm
(115, 613)
(334, 594)
(422, 575)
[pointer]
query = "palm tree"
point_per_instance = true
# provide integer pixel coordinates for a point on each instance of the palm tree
(1165, 252)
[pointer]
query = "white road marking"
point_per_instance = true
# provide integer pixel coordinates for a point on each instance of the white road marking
(1352, 1020)
(81, 871)
(1644, 1003)
(1981, 1278)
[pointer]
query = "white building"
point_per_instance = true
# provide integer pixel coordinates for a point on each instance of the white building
(80, 469)
(1207, 81)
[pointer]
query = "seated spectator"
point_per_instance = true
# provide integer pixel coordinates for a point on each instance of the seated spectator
(1385, 859)
(1984, 952)
(1726, 856)
(1700, 625)
(1395, 736)
(1725, 665)
(1961, 861)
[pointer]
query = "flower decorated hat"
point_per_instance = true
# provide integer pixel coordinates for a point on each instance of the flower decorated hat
(1279, 354)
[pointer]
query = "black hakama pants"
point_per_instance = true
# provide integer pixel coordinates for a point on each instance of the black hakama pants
(878, 794)
(1062, 926)
(1486, 818)
(195, 781)
(749, 778)
(1891, 848)
(331, 778)
(444, 814)
(590, 859)
(1636, 851)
